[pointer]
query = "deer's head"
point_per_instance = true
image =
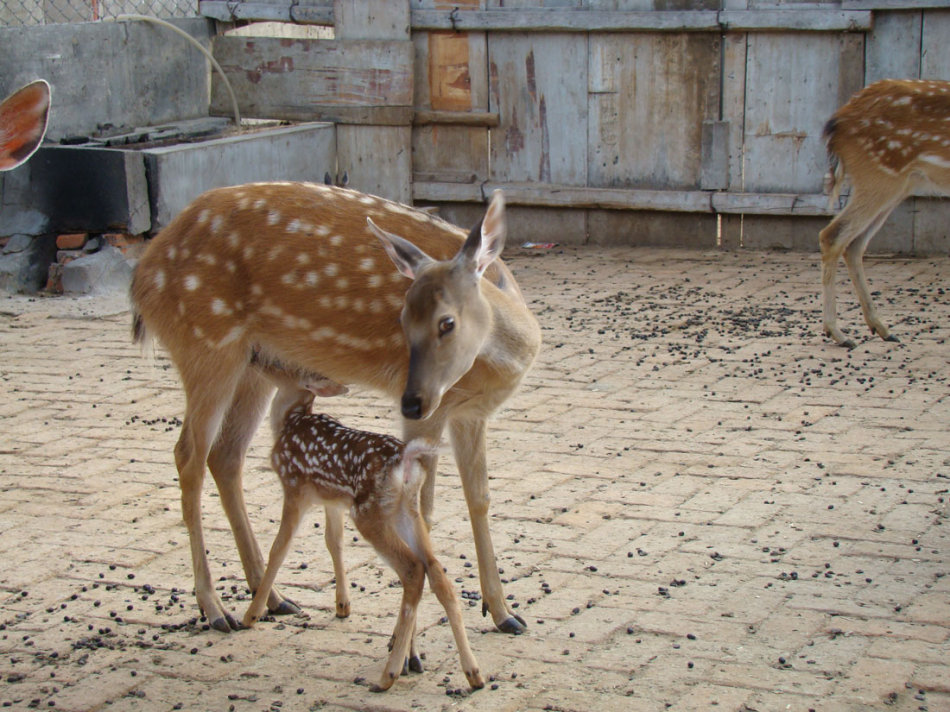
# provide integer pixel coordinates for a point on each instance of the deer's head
(446, 319)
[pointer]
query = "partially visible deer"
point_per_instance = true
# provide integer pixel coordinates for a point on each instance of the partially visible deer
(298, 273)
(891, 139)
(23, 119)
(377, 478)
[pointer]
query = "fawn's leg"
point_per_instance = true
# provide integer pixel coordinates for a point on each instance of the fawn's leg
(334, 540)
(411, 571)
(289, 521)
(469, 444)
(444, 591)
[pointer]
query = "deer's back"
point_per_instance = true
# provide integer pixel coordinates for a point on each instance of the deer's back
(893, 126)
(290, 269)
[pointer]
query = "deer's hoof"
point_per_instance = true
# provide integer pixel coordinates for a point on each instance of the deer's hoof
(893, 339)
(514, 625)
(475, 679)
(225, 623)
(414, 664)
(286, 608)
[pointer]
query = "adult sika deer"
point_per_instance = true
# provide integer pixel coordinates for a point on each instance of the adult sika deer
(23, 118)
(891, 139)
(297, 276)
(377, 478)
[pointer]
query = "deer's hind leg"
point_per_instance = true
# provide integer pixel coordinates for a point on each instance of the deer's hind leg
(209, 387)
(847, 235)
(226, 462)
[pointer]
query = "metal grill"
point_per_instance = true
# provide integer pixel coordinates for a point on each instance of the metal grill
(18, 13)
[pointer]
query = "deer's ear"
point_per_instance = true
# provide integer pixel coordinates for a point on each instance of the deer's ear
(408, 258)
(487, 239)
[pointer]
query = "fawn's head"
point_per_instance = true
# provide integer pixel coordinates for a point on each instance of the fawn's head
(446, 319)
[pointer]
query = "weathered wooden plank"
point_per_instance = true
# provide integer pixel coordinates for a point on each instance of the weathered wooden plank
(488, 119)
(312, 13)
(714, 168)
(371, 19)
(811, 20)
(378, 159)
(449, 137)
(539, 89)
(733, 102)
(792, 87)
(649, 95)
(893, 48)
(274, 77)
(690, 201)
(553, 20)
(893, 4)
(934, 47)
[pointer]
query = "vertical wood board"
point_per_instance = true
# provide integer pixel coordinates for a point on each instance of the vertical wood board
(733, 103)
(893, 47)
(649, 96)
(935, 45)
(793, 84)
(538, 86)
(377, 159)
(451, 74)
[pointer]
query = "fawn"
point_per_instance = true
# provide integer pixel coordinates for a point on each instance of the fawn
(303, 274)
(376, 477)
(891, 139)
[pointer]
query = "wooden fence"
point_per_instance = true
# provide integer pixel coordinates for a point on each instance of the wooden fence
(673, 122)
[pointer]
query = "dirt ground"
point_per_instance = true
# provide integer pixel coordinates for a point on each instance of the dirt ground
(699, 503)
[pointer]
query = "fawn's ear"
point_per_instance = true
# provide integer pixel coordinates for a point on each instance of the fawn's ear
(408, 258)
(487, 239)
(325, 388)
(23, 118)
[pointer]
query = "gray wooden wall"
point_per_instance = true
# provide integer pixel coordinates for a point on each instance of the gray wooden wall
(670, 122)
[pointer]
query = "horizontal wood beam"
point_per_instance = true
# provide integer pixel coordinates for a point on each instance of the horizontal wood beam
(661, 20)
(854, 16)
(424, 117)
(689, 201)
(266, 12)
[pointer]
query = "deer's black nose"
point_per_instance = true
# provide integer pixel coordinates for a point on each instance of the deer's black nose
(411, 406)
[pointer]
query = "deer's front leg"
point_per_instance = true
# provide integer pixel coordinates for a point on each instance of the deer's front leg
(470, 447)
(334, 540)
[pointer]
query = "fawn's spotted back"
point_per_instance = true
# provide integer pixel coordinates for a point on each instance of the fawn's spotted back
(314, 449)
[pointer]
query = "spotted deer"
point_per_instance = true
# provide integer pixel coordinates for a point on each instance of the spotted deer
(23, 119)
(891, 139)
(298, 274)
(377, 478)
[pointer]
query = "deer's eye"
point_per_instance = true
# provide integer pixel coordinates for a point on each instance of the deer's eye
(446, 324)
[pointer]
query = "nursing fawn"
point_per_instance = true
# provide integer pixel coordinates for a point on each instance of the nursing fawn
(377, 478)
(891, 139)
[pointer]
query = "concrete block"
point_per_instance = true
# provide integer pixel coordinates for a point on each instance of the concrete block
(181, 172)
(25, 271)
(102, 271)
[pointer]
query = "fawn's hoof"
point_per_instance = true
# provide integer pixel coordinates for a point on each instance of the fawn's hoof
(343, 609)
(413, 664)
(475, 679)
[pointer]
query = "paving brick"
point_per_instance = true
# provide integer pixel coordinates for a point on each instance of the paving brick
(712, 460)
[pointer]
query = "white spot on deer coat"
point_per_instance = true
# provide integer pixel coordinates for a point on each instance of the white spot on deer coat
(159, 279)
(312, 278)
(233, 335)
(331, 269)
(219, 307)
(367, 264)
(192, 282)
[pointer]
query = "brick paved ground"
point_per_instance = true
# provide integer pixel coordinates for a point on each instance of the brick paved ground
(698, 503)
